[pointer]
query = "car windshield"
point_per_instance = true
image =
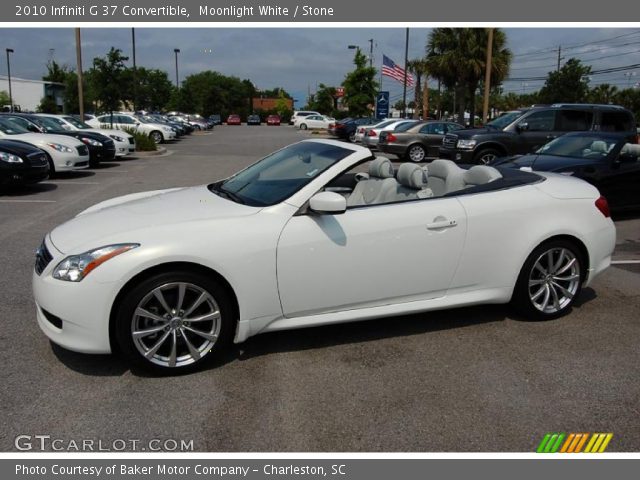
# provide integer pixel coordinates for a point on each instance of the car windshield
(506, 119)
(51, 124)
(77, 123)
(580, 146)
(9, 127)
(281, 174)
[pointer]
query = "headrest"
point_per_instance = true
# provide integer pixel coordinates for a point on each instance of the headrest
(412, 176)
(381, 167)
(481, 174)
(631, 149)
(441, 168)
(599, 146)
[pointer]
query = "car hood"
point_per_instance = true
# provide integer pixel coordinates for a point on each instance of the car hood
(44, 138)
(542, 163)
(137, 213)
(17, 147)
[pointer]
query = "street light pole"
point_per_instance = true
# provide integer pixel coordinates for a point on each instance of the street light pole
(177, 51)
(135, 73)
(79, 63)
(9, 50)
(370, 52)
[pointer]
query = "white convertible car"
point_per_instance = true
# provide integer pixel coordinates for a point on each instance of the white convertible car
(302, 238)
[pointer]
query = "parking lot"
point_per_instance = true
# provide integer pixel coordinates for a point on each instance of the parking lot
(472, 379)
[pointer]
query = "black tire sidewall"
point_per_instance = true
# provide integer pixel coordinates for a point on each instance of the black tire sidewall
(132, 298)
(483, 152)
(521, 301)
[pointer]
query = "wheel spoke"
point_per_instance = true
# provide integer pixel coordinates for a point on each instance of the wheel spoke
(554, 295)
(193, 351)
(196, 304)
(566, 279)
(141, 312)
(564, 291)
(203, 318)
(149, 331)
(536, 295)
(181, 290)
(160, 297)
(174, 349)
(566, 267)
(152, 351)
(540, 268)
(550, 261)
(209, 336)
(560, 260)
(535, 282)
(545, 300)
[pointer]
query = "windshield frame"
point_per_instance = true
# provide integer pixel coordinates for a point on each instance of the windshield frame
(498, 123)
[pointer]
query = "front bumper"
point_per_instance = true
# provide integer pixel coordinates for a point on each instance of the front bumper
(458, 156)
(81, 309)
(20, 174)
(67, 162)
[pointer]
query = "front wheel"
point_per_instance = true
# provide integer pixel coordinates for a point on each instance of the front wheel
(156, 137)
(303, 126)
(416, 153)
(550, 281)
(352, 137)
(174, 322)
(486, 156)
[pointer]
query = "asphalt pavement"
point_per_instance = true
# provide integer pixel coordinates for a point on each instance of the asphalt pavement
(472, 379)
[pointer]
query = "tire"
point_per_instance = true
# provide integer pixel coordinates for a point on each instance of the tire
(52, 167)
(157, 137)
(196, 342)
(485, 156)
(352, 137)
(416, 153)
(94, 163)
(550, 281)
(303, 126)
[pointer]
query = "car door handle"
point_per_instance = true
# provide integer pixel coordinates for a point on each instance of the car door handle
(440, 224)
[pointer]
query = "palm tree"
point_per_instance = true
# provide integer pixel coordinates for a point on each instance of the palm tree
(457, 57)
(603, 93)
(418, 67)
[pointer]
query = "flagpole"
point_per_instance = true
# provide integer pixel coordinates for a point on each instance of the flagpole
(404, 87)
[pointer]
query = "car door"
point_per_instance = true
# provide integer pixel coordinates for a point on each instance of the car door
(619, 183)
(369, 256)
(313, 121)
(536, 130)
(431, 136)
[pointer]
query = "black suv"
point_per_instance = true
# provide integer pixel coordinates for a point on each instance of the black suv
(525, 130)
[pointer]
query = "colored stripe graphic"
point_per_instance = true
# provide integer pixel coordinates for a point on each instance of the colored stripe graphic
(574, 442)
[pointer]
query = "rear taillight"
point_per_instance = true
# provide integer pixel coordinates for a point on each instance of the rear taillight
(339, 125)
(603, 206)
(371, 133)
(637, 139)
(391, 138)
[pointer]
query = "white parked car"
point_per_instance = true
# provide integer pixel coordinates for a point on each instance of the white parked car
(158, 132)
(172, 277)
(64, 153)
(301, 114)
(124, 142)
(314, 122)
(371, 134)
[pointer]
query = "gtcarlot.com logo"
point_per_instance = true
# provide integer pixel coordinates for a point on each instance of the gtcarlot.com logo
(574, 443)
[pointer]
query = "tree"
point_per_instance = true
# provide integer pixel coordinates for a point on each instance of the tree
(47, 105)
(152, 88)
(71, 104)
(419, 68)
(603, 93)
(629, 98)
(109, 80)
(4, 98)
(360, 87)
(570, 84)
(324, 101)
(56, 73)
(458, 58)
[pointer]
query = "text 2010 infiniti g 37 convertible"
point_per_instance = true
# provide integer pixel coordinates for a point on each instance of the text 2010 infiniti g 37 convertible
(303, 238)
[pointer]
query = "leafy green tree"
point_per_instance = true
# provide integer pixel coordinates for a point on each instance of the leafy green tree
(324, 100)
(110, 82)
(47, 105)
(458, 57)
(570, 84)
(4, 98)
(630, 99)
(360, 87)
(71, 93)
(56, 72)
(603, 93)
(152, 88)
(419, 68)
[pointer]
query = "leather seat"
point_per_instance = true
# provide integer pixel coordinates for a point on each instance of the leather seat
(480, 175)
(631, 149)
(412, 184)
(445, 177)
(380, 181)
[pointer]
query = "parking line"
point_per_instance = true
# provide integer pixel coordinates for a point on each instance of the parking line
(27, 201)
(624, 262)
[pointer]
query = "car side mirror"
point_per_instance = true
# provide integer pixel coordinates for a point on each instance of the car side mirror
(522, 127)
(328, 203)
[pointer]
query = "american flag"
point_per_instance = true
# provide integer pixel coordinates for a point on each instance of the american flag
(390, 69)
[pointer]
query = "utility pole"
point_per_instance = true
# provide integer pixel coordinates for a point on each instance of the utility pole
(9, 50)
(404, 86)
(559, 57)
(79, 66)
(135, 73)
(487, 78)
(176, 51)
(370, 52)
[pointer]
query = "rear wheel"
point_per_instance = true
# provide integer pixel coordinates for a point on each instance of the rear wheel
(157, 137)
(303, 126)
(352, 137)
(486, 156)
(550, 281)
(175, 322)
(416, 153)
(52, 167)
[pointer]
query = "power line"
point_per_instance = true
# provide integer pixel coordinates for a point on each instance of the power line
(571, 47)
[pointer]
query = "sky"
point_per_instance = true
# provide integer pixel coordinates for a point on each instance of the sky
(299, 59)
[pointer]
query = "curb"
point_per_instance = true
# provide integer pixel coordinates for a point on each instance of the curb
(159, 151)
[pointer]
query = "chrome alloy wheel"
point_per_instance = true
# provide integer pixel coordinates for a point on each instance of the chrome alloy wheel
(176, 324)
(487, 158)
(554, 280)
(417, 153)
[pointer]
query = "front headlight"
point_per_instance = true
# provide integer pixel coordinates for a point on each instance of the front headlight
(76, 267)
(167, 129)
(60, 148)
(466, 144)
(91, 141)
(10, 158)
(117, 138)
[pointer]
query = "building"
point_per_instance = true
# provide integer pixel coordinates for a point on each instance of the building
(266, 104)
(27, 94)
